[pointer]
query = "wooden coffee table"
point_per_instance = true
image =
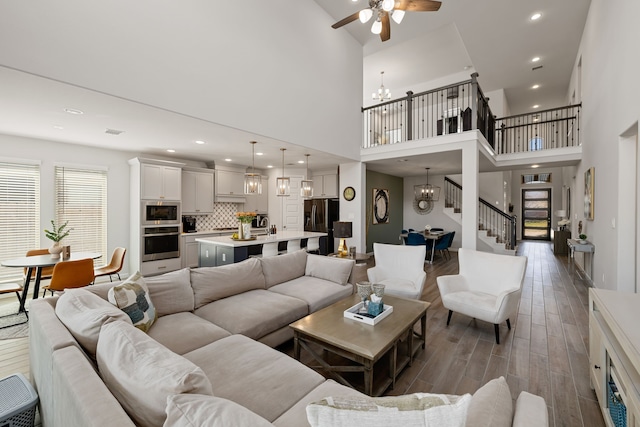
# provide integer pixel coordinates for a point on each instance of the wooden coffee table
(362, 343)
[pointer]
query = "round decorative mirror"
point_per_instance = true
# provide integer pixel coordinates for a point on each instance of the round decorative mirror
(422, 206)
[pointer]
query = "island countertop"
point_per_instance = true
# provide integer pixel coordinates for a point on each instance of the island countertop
(281, 236)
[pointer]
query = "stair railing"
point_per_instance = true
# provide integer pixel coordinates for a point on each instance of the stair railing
(497, 223)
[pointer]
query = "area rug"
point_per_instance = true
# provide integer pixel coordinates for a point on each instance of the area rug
(12, 323)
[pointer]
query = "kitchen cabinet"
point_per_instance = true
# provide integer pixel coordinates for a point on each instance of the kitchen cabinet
(197, 192)
(230, 186)
(259, 202)
(325, 185)
(159, 182)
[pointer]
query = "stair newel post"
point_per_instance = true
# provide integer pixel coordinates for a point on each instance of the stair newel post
(474, 101)
(409, 115)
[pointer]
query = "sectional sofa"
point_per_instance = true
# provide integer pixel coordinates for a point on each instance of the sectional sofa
(206, 359)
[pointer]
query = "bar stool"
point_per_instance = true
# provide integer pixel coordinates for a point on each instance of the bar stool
(269, 249)
(313, 245)
(293, 245)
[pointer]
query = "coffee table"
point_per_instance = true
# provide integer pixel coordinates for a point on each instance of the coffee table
(361, 343)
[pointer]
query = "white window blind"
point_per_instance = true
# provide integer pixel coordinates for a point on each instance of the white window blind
(81, 199)
(19, 214)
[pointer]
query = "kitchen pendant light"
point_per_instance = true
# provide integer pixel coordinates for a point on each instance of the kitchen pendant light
(283, 183)
(252, 180)
(426, 191)
(306, 185)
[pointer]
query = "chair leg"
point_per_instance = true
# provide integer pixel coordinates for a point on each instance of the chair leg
(509, 324)
(449, 317)
(497, 328)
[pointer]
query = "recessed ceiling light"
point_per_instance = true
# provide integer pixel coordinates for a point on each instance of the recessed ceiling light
(466, 67)
(535, 166)
(269, 166)
(200, 142)
(536, 106)
(259, 154)
(171, 150)
(536, 16)
(227, 160)
(73, 111)
(535, 59)
(535, 86)
(58, 127)
(301, 161)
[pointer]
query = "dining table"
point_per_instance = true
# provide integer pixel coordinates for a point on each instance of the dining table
(434, 236)
(38, 262)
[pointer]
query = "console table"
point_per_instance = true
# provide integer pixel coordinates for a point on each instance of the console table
(575, 246)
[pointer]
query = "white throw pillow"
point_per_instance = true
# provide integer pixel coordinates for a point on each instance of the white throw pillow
(336, 270)
(196, 410)
(132, 297)
(414, 410)
(141, 373)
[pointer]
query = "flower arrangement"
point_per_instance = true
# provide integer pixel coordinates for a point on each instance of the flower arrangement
(57, 233)
(246, 217)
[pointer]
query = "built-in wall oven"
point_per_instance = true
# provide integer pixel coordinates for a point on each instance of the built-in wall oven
(160, 242)
(158, 212)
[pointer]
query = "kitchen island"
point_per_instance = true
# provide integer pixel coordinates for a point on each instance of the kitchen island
(222, 250)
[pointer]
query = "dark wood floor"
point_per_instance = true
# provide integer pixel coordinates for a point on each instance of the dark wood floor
(545, 352)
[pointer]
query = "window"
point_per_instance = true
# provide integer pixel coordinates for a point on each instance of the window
(535, 144)
(19, 214)
(81, 199)
(536, 178)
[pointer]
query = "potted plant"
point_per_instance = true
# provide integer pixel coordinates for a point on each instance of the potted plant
(582, 239)
(56, 234)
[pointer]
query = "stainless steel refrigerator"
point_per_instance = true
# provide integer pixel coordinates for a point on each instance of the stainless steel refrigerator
(319, 215)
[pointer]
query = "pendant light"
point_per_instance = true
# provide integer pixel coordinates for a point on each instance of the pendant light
(252, 180)
(382, 94)
(283, 183)
(426, 191)
(306, 185)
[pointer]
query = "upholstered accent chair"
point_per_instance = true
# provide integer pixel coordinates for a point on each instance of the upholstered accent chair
(487, 287)
(400, 268)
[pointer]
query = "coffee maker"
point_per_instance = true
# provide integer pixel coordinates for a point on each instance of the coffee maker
(188, 224)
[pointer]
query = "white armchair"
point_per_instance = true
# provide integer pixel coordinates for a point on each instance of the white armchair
(487, 287)
(400, 268)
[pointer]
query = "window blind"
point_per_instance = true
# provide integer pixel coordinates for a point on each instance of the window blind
(19, 214)
(81, 199)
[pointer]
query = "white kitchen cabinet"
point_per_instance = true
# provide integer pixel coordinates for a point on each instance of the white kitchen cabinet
(159, 182)
(197, 192)
(259, 202)
(230, 186)
(325, 185)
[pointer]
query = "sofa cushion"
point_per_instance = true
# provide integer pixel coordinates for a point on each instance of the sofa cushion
(141, 373)
(491, 405)
(334, 269)
(418, 409)
(184, 332)
(132, 297)
(317, 293)
(261, 379)
(278, 269)
(197, 410)
(84, 313)
(254, 313)
(213, 283)
(171, 292)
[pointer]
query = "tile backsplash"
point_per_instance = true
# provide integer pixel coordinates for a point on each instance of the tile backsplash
(224, 215)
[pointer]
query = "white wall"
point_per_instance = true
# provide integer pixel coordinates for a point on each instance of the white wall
(354, 175)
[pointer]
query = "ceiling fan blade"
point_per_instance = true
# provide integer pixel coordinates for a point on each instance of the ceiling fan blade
(346, 20)
(385, 34)
(418, 5)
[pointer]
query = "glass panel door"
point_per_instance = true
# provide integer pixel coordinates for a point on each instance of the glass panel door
(536, 214)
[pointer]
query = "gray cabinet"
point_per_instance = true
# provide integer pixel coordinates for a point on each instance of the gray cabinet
(230, 186)
(197, 192)
(160, 182)
(325, 185)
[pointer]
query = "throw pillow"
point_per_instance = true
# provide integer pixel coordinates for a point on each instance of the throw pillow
(414, 410)
(491, 405)
(336, 270)
(141, 373)
(84, 313)
(171, 292)
(132, 297)
(196, 410)
(282, 268)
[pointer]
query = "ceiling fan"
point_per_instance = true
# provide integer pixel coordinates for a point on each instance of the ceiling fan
(382, 9)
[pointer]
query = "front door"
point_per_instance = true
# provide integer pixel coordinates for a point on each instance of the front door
(536, 214)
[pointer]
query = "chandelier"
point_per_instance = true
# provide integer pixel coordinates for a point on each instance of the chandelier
(378, 8)
(252, 180)
(382, 94)
(283, 183)
(306, 185)
(426, 192)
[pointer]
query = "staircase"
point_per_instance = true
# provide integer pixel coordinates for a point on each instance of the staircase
(496, 229)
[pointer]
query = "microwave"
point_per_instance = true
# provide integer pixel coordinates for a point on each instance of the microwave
(159, 212)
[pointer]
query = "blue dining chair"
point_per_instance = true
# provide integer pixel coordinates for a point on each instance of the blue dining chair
(416, 239)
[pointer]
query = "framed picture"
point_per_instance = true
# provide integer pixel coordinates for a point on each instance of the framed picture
(589, 187)
(380, 206)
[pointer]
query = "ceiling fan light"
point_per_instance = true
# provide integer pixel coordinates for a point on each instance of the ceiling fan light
(387, 5)
(376, 28)
(365, 15)
(397, 16)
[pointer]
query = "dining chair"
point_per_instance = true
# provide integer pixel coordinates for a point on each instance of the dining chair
(70, 274)
(114, 266)
(46, 271)
(7, 288)
(443, 244)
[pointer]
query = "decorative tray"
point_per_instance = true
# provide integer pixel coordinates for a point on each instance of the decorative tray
(244, 240)
(352, 313)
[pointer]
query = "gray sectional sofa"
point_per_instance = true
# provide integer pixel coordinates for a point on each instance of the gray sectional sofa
(206, 360)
